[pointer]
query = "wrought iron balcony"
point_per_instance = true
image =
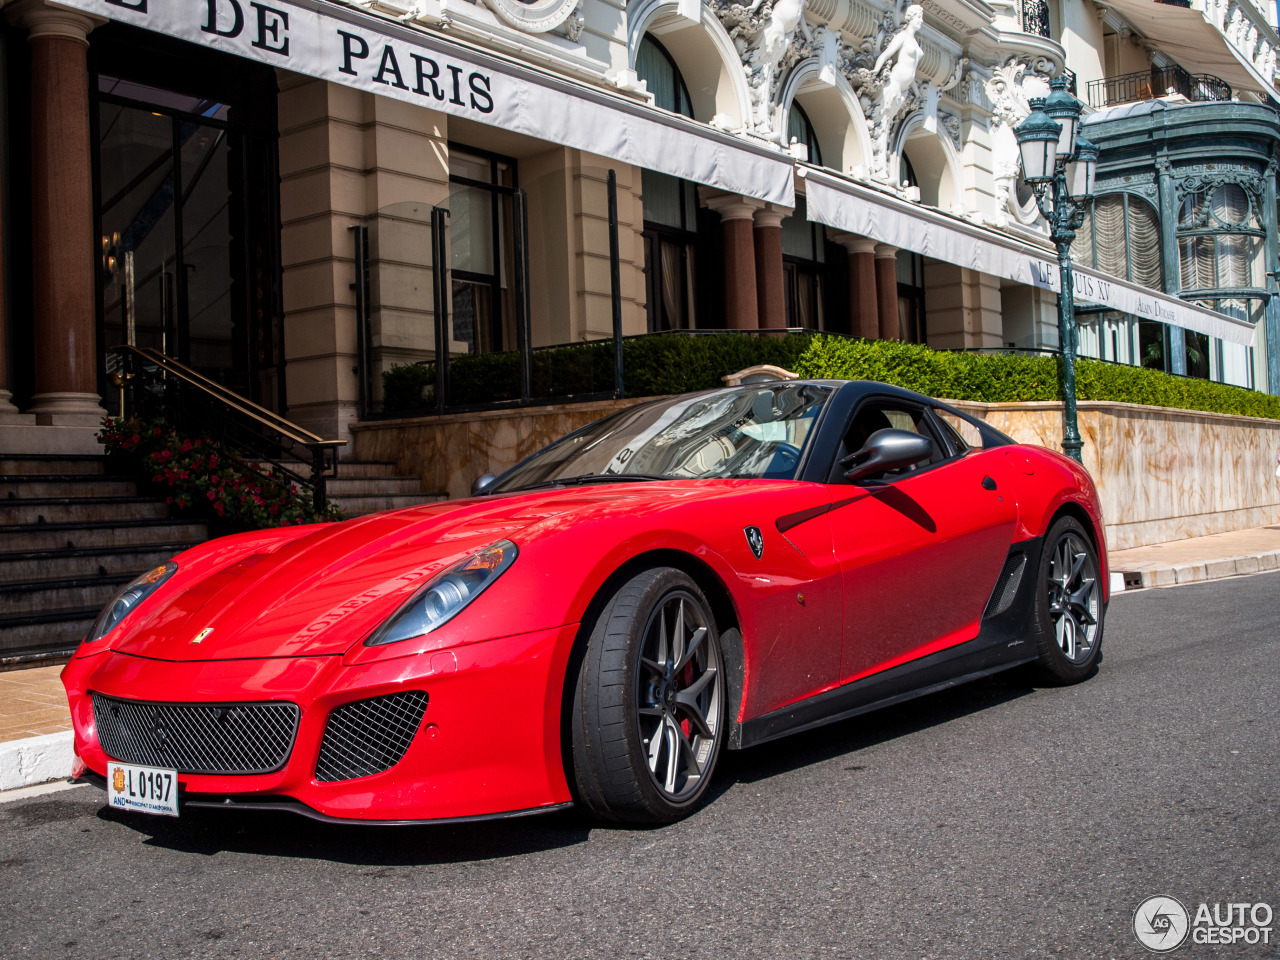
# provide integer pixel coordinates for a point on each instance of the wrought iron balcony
(1033, 17)
(1155, 83)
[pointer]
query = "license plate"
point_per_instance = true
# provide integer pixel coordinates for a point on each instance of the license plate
(142, 789)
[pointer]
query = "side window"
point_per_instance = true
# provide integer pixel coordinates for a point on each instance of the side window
(874, 415)
(954, 431)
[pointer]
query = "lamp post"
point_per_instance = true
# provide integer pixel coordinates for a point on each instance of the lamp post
(1059, 166)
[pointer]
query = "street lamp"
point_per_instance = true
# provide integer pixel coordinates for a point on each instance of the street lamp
(1059, 166)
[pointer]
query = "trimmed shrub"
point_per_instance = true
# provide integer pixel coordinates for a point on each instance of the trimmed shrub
(655, 366)
(994, 378)
(677, 363)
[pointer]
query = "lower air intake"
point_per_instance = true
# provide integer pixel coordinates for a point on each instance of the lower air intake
(1007, 585)
(369, 736)
(219, 738)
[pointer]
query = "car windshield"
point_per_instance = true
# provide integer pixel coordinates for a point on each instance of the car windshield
(756, 431)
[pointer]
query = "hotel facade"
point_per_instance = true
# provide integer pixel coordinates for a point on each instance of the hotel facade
(294, 197)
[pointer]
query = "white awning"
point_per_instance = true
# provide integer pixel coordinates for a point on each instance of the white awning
(854, 208)
(378, 55)
(1189, 37)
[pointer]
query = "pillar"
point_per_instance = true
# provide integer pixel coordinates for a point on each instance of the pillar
(886, 262)
(770, 294)
(965, 307)
(737, 218)
(864, 304)
(62, 217)
(8, 412)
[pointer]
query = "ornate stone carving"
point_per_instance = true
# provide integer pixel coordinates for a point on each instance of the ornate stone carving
(771, 36)
(951, 124)
(1009, 107)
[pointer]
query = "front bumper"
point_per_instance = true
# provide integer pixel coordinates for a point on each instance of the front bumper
(488, 744)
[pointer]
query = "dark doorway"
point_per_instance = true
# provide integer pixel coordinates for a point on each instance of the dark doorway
(187, 194)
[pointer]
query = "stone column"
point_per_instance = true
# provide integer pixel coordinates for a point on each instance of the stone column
(8, 412)
(966, 307)
(864, 305)
(886, 258)
(769, 276)
(737, 217)
(62, 217)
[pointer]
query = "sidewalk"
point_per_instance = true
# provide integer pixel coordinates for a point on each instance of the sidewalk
(35, 727)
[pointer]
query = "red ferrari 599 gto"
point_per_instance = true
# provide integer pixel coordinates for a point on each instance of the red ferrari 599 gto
(690, 574)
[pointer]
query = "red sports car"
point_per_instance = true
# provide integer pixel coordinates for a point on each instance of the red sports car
(690, 574)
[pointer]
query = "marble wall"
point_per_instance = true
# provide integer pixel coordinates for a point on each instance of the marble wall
(1162, 474)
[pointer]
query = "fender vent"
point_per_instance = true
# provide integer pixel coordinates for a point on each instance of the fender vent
(369, 736)
(1007, 585)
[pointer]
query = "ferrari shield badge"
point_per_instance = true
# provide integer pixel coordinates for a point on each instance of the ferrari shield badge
(755, 540)
(199, 637)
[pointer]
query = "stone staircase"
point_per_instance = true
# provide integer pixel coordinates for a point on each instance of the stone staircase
(368, 486)
(71, 535)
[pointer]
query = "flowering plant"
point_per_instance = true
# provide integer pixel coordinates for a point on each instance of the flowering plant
(202, 477)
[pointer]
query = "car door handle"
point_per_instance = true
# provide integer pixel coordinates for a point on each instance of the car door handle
(988, 483)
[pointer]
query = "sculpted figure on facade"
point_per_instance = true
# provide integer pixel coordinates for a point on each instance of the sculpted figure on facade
(770, 37)
(898, 85)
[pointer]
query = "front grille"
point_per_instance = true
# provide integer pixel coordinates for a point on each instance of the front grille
(369, 736)
(1006, 585)
(224, 738)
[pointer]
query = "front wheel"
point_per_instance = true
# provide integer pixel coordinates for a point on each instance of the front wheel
(1069, 608)
(649, 703)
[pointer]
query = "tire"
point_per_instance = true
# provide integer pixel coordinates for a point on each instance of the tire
(647, 721)
(1069, 610)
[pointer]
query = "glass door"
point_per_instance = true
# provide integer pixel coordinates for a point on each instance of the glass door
(178, 213)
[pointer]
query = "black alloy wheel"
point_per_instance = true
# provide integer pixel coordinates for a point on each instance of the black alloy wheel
(648, 713)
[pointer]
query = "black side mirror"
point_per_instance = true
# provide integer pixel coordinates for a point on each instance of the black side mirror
(482, 483)
(887, 449)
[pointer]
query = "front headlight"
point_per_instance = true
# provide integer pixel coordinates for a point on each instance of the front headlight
(128, 599)
(446, 595)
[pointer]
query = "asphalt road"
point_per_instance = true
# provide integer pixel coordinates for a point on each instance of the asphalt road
(996, 820)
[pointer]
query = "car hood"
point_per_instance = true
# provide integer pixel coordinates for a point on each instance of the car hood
(318, 590)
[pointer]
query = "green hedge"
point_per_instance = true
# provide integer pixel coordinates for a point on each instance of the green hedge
(992, 378)
(655, 366)
(676, 363)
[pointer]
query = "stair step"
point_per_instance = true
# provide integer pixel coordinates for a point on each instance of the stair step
(81, 510)
(50, 487)
(85, 564)
(87, 536)
(372, 486)
(33, 465)
(366, 468)
(358, 506)
(27, 599)
(52, 633)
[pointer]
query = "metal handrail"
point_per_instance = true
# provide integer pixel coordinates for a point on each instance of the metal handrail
(268, 437)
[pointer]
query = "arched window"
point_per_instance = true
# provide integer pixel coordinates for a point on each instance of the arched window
(655, 66)
(670, 206)
(800, 130)
(1122, 238)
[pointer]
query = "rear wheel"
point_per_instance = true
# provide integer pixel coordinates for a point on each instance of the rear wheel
(649, 702)
(1069, 608)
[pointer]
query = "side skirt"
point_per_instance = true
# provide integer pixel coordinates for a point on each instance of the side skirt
(1005, 639)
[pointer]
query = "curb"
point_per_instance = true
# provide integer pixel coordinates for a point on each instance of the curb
(25, 763)
(1205, 570)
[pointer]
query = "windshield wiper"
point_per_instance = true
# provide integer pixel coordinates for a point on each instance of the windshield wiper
(593, 478)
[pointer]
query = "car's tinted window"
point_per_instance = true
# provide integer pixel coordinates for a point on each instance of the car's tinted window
(873, 415)
(951, 426)
(756, 431)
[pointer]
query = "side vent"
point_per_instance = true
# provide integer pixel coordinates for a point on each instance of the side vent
(1006, 585)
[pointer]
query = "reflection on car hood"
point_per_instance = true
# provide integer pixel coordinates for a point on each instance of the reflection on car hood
(317, 590)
